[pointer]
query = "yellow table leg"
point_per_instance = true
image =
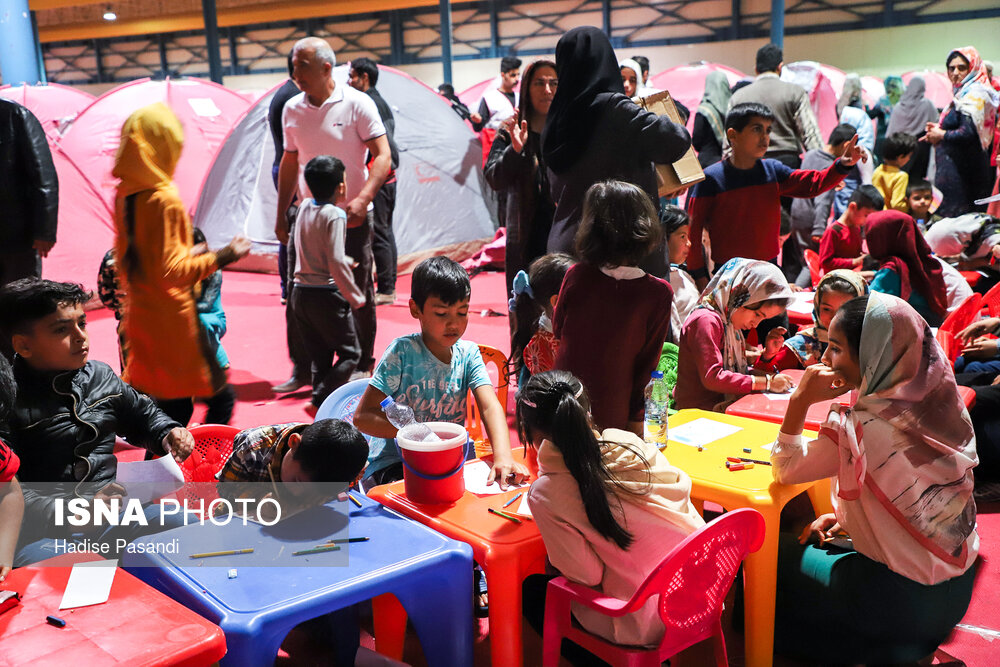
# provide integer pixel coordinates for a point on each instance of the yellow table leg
(761, 574)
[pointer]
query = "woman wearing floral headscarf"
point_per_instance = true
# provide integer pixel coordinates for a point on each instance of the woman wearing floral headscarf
(963, 137)
(712, 364)
(893, 571)
(906, 267)
(882, 111)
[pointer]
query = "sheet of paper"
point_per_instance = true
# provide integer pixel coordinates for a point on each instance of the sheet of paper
(475, 480)
(802, 303)
(771, 396)
(149, 480)
(89, 584)
(523, 508)
(701, 431)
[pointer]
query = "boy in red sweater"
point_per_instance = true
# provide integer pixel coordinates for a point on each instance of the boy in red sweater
(739, 202)
(840, 247)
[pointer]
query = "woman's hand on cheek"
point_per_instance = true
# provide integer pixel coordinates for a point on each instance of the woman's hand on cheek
(821, 383)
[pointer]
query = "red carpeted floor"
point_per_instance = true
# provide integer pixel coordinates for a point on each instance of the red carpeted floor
(256, 346)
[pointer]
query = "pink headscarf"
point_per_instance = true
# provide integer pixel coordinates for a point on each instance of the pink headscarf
(908, 439)
(975, 96)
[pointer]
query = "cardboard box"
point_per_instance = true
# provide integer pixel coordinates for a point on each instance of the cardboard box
(686, 171)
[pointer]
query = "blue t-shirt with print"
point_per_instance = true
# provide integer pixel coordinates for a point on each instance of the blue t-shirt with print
(434, 390)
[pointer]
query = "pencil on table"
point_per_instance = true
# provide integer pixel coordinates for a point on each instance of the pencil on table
(511, 501)
(317, 550)
(509, 517)
(230, 552)
(354, 500)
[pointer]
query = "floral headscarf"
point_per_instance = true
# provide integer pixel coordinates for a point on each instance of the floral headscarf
(893, 90)
(741, 282)
(975, 96)
(810, 343)
(908, 439)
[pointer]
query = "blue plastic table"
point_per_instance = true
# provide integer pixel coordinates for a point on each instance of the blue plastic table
(273, 591)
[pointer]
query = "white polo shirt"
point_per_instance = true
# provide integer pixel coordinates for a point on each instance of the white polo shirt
(338, 127)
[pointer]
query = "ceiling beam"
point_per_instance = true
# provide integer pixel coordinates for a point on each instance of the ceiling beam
(248, 15)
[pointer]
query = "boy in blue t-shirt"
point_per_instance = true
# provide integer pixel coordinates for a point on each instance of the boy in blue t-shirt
(432, 372)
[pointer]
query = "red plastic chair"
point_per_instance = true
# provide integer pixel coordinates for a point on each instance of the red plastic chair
(213, 443)
(691, 582)
(957, 320)
(812, 261)
(991, 301)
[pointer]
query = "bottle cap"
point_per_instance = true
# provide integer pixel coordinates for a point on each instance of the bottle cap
(387, 402)
(656, 374)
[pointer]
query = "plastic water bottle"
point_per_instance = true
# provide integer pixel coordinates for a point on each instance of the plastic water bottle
(401, 416)
(655, 421)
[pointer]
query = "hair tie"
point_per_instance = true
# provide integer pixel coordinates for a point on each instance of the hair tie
(520, 286)
(566, 388)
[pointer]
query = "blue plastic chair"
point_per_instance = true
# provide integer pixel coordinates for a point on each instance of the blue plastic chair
(342, 403)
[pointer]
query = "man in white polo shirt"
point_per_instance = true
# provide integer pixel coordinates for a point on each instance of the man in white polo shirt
(327, 119)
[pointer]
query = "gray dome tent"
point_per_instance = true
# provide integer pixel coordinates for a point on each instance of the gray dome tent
(440, 204)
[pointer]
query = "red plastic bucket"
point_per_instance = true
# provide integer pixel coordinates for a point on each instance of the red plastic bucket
(432, 471)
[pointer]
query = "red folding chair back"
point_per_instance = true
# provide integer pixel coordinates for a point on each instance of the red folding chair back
(474, 420)
(957, 320)
(691, 582)
(991, 301)
(812, 261)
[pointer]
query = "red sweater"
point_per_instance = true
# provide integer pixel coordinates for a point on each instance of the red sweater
(839, 246)
(611, 335)
(741, 208)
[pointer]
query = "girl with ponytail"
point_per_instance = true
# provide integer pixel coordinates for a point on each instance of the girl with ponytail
(608, 505)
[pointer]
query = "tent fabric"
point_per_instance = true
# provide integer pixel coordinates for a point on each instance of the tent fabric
(440, 204)
(686, 83)
(939, 90)
(52, 104)
(206, 110)
(816, 81)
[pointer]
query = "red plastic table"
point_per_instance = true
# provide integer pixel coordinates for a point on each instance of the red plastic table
(507, 552)
(758, 406)
(137, 626)
(800, 312)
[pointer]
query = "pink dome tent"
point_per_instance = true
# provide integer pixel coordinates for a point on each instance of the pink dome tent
(939, 89)
(84, 156)
(53, 105)
(686, 83)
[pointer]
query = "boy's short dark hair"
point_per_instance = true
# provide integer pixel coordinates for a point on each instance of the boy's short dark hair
(619, 225)
(25, 301)
(507, 63)
(331, 450)
(841, 134)
(918, 185)
(643, 63)
(868, 196)
(447, 89)
(898, 144)
(442, 277)
(198, 236)
(324, 174)
(769, 57)
(673, 218)
(366, 66)
(741, 115)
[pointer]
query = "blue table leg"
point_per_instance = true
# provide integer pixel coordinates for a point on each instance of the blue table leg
(439, 605)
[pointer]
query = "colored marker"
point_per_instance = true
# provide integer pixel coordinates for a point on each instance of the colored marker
(354, 500)
(743, 459)
(511, 501)
(747, 450)
(738, 466)
(231, 552)
(509, 517)
(317, 550)
(56, 621)
(347, 540)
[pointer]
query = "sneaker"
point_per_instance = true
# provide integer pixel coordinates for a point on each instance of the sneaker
(385, 299)
(289, 385)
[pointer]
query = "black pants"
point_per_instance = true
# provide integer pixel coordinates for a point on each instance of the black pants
(17, 264)
(358, 245)
(985, 415)
(301, 367)
(220, 406)
(327, 327)
(533, 591)
(384, 241)
(178, 409)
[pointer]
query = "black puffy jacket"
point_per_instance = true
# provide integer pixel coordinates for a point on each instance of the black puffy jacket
(29, 198)
(63, 428)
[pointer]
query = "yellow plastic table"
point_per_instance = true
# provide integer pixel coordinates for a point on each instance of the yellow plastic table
(755, 488)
